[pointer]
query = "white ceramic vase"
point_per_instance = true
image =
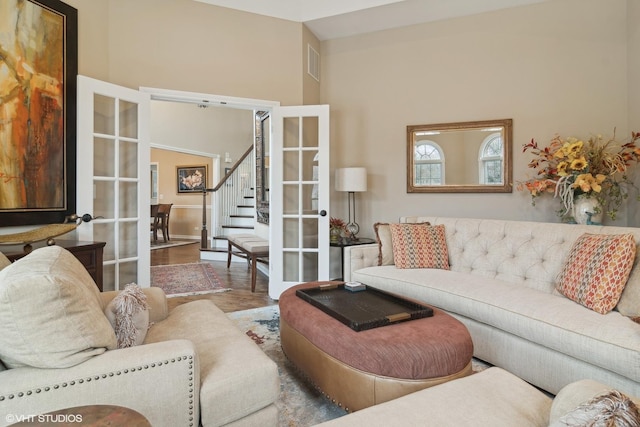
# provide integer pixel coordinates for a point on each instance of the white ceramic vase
(587, 210)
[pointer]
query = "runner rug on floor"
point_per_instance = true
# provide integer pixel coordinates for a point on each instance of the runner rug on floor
(299, 405)
(187, 279)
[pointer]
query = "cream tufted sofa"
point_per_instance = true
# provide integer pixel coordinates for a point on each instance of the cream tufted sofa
(194, 367)
(501, 286)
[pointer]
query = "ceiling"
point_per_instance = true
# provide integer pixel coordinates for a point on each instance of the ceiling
(330, 19)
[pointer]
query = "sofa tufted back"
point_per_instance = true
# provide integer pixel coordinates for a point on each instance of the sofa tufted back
(526, 253)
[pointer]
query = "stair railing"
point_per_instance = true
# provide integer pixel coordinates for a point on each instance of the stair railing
(230, 192)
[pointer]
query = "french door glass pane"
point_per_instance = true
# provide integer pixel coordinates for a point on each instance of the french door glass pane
(104, 115)
(290, 266)
(128, 199)
(128, 273)
(291, 235)
(104, 199)
(108, 277)
(128, 119)
(310, 232)
(310, 132)
(310, 267)
(309, 160)
(291, 169)
(128, 240)
(291, 197)
(291, 132)
(128, 159)
(308, 202)
(104, 232)
(104, 154)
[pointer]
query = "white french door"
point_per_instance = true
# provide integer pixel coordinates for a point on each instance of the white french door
(299, 203)
(113, 178)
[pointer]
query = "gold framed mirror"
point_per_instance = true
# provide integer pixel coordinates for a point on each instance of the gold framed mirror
(463, 157)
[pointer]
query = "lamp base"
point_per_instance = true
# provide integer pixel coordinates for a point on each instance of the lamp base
(352, 229)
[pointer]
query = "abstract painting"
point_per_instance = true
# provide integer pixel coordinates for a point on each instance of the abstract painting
(38, 68)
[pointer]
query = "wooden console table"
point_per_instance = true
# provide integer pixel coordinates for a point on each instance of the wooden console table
(88, 253)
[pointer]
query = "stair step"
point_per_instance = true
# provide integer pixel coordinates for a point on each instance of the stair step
(243, 227)
(240, 216)
(246, 206)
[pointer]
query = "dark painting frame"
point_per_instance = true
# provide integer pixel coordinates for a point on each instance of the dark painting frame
(184, 182)
(31, 136)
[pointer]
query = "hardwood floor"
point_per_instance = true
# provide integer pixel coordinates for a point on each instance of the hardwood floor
(237, 277)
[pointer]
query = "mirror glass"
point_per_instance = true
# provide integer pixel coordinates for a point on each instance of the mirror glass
(463, 157)
(263, 135)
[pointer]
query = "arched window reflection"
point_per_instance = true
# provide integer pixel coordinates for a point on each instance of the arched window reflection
(428, 160)
(491, 160)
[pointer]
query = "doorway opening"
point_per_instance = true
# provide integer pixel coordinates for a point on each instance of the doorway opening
(215, 127)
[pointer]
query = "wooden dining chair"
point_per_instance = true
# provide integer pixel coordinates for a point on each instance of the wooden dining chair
(161, 221)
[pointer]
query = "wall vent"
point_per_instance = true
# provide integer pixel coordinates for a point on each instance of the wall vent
(313, 62)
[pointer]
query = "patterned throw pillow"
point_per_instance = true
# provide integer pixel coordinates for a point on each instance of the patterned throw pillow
(419, 246)
(610, 409)
(128, 314)
(597, 270)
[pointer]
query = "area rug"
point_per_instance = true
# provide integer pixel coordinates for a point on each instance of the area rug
(161, 244)
(187, 279)
(299, 405)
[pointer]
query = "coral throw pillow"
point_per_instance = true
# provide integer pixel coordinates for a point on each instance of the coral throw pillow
(419, 246)
(385, 244)
(597, 270)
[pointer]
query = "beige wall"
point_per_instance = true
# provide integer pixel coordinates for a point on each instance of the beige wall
(212, 130)
(552, 67)
(191, 46)
(186, 212)
(311, 86)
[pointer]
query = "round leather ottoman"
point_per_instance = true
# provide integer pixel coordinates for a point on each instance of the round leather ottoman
(360, 369)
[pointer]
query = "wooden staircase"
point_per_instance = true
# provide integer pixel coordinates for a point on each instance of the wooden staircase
(233, 205)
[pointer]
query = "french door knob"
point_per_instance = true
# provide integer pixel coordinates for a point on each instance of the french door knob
(323, 213)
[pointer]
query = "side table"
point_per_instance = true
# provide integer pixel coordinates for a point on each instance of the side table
(343, 242)
(90, 254)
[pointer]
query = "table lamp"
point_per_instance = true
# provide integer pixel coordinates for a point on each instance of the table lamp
(351, 180)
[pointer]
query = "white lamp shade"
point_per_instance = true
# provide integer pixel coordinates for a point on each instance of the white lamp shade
(351, 179)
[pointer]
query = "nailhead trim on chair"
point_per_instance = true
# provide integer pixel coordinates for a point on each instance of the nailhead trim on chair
(119, 372)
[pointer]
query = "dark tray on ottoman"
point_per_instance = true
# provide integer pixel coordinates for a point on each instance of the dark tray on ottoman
(361, 310)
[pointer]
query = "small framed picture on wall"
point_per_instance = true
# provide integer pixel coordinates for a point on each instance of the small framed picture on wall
(191, 179)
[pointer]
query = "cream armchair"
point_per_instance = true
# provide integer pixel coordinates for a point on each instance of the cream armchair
(59, 351)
